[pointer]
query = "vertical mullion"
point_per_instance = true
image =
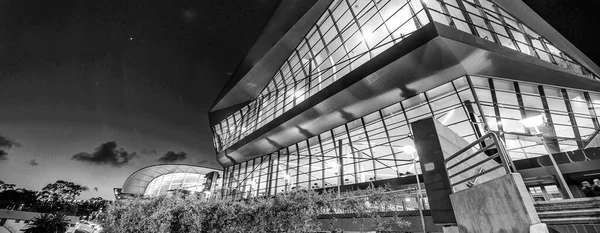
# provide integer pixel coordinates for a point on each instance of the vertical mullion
(498, 117)
(506, 27)
(574, 126)
(384, 20)
(464, 108)
(549, 120)
(353, 154)
(251, 176)
(360, 29)
(309, 150)
(547, 50)
(478, 103)
(277, 172)
(387, 135)
(447, 13)
(339, 33)
(245, 178)
(487, 22)
(297, 185)
(259, 176)
(322, 161)
(370, 148)
(593, 112)
(465, 12)
(418, 22)
(521, 104)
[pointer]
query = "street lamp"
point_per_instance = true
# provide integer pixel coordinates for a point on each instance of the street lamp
(534, 122)
(411, 149)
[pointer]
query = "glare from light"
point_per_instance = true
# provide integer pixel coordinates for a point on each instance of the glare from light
(252, 183)
(533, 121)
(408, 149)
(299, 94)
(287, 177)
(333, 165)
(368, 34)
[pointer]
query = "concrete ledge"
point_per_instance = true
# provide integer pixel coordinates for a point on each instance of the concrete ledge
(499, 205)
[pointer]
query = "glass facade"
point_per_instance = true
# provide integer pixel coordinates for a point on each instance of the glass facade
(372, 147)
(193, 182)
(352, 32)
(485, 19)
(347, 35)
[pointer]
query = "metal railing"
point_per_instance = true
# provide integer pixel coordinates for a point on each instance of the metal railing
(501, 153)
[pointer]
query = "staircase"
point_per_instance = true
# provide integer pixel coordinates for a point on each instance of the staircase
(580, 215)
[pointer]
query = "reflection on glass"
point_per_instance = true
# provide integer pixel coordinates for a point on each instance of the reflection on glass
(345, 37)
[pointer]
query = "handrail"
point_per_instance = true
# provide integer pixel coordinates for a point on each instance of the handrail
(505, 161)
(594, 135)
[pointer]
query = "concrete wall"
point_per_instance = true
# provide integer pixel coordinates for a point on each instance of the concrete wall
(434, 143)
(452, 143)
(499, 205)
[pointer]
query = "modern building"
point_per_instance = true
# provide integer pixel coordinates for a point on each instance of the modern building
(162, 179)
(327, 94)
(17, 221)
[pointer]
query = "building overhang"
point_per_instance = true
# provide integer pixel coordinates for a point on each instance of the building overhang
(137, 182)
(285, 30)
(431, 56)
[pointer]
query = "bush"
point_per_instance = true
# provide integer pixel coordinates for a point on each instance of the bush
(295, 211)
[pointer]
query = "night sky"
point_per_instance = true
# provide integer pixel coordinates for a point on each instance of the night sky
(80, 78)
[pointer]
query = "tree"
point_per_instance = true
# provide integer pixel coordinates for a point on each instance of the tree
(5, 186)
(59, 197)
(61, 191)
(48, 223)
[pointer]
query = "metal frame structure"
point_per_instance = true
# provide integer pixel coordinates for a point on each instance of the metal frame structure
(138, 181)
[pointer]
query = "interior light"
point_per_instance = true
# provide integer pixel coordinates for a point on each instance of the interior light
(333, 165)
(533, 121)
(408, 149)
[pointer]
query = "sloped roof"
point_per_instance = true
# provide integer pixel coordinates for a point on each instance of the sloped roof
(137, 182)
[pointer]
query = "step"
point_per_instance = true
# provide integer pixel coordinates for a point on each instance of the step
(570, 213)
(571, 220)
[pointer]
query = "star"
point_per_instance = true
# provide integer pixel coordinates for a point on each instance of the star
(130, 38)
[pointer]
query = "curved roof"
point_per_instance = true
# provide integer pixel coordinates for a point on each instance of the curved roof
(137, 182)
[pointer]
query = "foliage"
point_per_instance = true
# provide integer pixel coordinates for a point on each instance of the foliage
(5, 187)
(48, 223)
(295, 211)
(61, 190)
(56, 197)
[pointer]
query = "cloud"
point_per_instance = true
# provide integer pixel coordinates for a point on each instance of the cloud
(106, 154)
(147, 151)
(6, 144)
(96, 189)
(171, 156)
(33, 162)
